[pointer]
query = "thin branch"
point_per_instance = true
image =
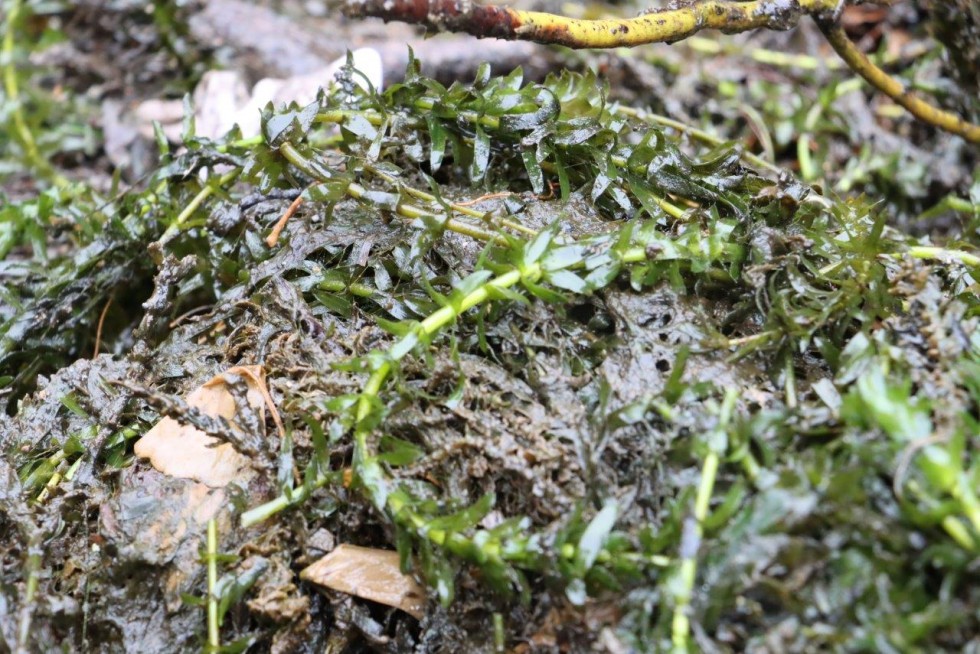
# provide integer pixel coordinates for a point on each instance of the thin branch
(98, 329)
(879, 79)
(280, 225)
(658, 26)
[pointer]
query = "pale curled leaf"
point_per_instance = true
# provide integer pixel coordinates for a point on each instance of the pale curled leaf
(181, 450)
(370, 574)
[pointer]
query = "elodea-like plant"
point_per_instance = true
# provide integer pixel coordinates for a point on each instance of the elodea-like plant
(561, 134)
(818, 271)
(473, 223)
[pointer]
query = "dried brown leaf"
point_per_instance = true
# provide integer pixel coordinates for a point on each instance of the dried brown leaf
(371, 574)
(181, 450)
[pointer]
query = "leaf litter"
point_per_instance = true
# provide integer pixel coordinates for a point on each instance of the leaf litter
(368, 573)
(185, 451)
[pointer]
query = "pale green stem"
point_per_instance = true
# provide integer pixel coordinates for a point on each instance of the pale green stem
(930, 252)
(199, 199)
(22, 131)
(681, 624)
(33, 568)
(428, 197)
(789, 60)
(214, 638)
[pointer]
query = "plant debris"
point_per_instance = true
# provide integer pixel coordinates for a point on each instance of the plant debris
(187, 452)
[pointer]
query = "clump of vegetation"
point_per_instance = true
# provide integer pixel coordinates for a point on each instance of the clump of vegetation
(594, 381)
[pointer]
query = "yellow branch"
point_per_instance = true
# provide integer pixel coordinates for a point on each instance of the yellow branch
(659, 26)
(894, 89)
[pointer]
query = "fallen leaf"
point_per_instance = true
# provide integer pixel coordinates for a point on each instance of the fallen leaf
(185, 451)
(370, 574)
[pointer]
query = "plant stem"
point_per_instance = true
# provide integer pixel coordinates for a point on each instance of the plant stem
(199, 199)
(424, 105)
(931, 252)
(699, 134)
(694, 531)
(214, 638)
(21, 129)
(658, 26)
(879, 79)
(436, 321)
(33, 568)
(950, 203)
(786, 60)
(428, 197)
(752, 339)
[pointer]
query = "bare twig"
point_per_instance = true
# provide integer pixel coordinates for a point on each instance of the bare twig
(660, 26)
(273, 237)
(98, 329)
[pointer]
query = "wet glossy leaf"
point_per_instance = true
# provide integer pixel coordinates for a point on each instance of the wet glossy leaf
(567, 280)
(481, 156)
(232, 587)
(466, 518)
(437, 136)
(289, 126)
(594, 536)
(399, 452)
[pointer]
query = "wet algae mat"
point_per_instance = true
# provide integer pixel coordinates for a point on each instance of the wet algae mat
(601, 386)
